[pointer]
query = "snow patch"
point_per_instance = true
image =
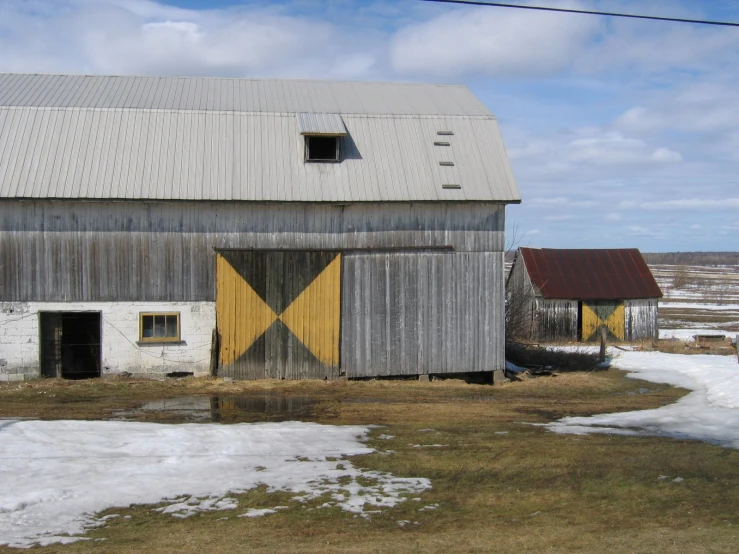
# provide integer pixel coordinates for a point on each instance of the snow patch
(56, 475)
(710, 413)
(688, 334)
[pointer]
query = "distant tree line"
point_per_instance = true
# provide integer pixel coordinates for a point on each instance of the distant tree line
(677, 258)
(692, 258)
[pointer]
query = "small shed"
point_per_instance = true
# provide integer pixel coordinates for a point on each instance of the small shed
(569, 294)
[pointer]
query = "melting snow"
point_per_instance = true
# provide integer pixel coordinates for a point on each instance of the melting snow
(56, 475)
(688, 334)
(710, 413)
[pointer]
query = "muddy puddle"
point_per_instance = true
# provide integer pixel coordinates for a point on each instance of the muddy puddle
(225, 409)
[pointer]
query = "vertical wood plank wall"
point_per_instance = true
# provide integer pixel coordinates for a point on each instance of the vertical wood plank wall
(556, 320)
(641, 319)
(422, 312)
(75, 251)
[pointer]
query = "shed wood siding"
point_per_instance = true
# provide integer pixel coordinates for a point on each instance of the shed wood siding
(411, 313)
(556, 320)
(278, 314)
(147, 251)
(641, 319)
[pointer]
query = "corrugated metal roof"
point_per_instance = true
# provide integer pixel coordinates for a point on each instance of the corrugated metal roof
(241, 95)
(320, 124)
(609, 274)
(112, 137)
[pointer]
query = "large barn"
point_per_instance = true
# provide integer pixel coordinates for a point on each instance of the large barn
(570, 294)
(323, 229)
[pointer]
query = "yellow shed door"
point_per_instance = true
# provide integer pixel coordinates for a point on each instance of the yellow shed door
(597, 313)
(278, 314)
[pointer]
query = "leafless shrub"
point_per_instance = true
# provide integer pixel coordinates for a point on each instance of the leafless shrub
(681, 278)
(518, 313)
(534, 356)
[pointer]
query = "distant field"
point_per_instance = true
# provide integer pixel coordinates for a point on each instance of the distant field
(698, 297)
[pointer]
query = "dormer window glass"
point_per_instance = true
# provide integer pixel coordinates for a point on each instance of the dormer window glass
(321, 149)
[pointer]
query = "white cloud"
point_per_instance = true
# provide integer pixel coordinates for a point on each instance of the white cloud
(491, 41)
(687, 107)
(665, 155)
(589, 153)
(558, 201)
(146, 37)
(614, 148)
(561, 217)
(692, 204)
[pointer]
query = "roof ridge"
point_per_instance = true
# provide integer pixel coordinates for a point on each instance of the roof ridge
(225, 78)
(237, 94)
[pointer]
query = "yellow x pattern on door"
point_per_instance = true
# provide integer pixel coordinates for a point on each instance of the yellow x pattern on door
(261, 293)
(599, 313)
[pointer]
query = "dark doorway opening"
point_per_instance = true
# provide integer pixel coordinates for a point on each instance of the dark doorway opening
(70, 344)
(579, 321)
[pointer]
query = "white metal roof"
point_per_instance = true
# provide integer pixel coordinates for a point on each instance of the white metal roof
(239, 139)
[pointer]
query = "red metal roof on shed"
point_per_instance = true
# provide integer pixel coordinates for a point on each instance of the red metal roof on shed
(617, 274)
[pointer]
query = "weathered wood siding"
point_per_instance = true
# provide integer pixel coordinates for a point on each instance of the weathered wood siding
(423, 312)
(641, 319)
(164, 251)
(628, 320)
(556, 320)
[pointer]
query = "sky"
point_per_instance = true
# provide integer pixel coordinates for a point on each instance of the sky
(622, 133)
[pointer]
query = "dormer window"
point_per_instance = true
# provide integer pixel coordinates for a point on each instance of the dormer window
(321, 149)
(322, 133)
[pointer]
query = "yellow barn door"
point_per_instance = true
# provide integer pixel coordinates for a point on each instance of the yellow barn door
(278, 314)
(597, 313)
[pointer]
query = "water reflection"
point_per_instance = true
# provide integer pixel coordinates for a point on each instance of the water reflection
(229, 409)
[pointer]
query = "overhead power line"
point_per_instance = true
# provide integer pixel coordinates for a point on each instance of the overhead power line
(587, 12)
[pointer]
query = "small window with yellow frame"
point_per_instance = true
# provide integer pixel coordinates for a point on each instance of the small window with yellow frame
(159, 327)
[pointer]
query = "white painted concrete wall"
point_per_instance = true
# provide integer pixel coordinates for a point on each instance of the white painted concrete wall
(19, 337)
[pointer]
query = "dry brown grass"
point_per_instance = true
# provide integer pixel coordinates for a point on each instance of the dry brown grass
(502, 484)
(675, 346)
